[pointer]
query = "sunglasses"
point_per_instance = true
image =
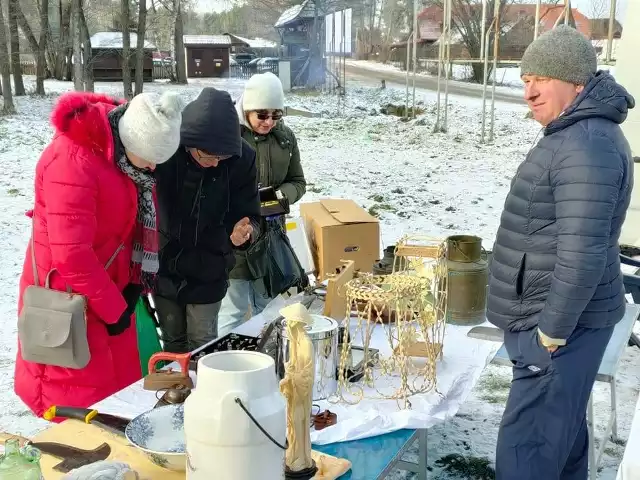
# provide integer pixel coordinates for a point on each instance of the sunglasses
(266, 115)
(207, 157)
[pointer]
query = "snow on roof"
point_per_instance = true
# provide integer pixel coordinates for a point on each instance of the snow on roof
(304, 10)
(206, 40)
(114, 40)
(257, 42)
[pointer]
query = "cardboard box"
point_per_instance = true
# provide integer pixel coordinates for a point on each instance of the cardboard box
(341, 230)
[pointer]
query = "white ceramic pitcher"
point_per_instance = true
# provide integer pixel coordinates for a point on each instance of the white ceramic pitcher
(222, 441)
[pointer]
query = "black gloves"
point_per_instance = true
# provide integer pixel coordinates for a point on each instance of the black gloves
(131, 294)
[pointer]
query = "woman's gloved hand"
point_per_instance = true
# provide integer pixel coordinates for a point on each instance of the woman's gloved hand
(103, 470)
(131, 294)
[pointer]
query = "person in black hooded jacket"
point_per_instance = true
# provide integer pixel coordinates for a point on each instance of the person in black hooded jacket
(208, 203)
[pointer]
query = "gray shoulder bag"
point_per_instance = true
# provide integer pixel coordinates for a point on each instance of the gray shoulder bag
(52, 326)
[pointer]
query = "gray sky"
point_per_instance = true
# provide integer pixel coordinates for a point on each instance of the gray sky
(585, 6)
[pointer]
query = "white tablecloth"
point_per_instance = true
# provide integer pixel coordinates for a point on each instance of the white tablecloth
(464, 360)
(630, 466)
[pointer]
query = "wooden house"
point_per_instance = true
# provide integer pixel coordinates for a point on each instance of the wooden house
(106, 52)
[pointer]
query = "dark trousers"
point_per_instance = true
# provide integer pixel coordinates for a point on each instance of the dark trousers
(186, 327)
(543, 434)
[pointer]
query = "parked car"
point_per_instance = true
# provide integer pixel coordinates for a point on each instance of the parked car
(242, 58)
(265, 64)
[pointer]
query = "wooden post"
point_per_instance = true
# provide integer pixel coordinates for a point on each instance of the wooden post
(612, 21)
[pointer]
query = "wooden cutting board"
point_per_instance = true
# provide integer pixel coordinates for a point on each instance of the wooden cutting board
(82, 435)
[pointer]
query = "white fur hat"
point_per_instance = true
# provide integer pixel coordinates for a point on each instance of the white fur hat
(263, 91)
(150, 127)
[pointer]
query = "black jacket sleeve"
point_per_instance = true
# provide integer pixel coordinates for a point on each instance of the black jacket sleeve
(244, 198)
(295, 185)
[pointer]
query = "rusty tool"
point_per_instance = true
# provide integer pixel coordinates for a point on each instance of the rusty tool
(72, 457)
(164, 379)
(173, 395)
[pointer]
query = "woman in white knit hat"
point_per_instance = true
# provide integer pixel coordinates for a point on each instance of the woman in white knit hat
(260, 110)
(94, 234)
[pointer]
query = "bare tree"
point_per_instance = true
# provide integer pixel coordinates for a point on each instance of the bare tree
(178, 45)
(394, 15)
(87, 53)
(41, 59)
(179, 70)
(142, 23)
(5, 73)
(18, 84)
(598, 10)
(76, 27)
(125, 23)
(62, 46)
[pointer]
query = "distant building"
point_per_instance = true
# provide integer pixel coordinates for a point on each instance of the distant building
(207, 55)
(600, 35)
(259, 46)
(106, 52)
(517, 27)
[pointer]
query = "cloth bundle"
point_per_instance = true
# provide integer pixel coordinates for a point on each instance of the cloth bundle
(103, 470)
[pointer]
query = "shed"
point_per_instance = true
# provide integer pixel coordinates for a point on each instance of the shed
(259, 46)
(207, 55)
(106, 52)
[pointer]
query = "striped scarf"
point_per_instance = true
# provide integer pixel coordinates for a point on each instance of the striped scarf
(144, 260)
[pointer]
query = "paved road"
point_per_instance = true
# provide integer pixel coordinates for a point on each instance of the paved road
(372, 76)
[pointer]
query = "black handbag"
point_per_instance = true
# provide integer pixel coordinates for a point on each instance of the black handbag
(272, 261)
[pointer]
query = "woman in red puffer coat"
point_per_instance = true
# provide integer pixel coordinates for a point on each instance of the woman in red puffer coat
(93, 199)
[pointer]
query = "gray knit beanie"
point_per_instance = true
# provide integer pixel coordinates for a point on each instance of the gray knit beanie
(562, 53)
(150, 127)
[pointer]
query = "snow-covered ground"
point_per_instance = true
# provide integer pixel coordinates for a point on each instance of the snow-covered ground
(505, 76)
(414, 180)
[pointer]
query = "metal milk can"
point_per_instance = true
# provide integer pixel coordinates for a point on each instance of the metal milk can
(467, 278)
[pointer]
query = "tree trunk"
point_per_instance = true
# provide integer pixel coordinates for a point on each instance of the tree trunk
(87, 55)
(28, 33)
(41, 61)
(142, 23)
(179, 58)
(76, 29)
(63, 56)
(15, 49)
(125, 20)
(5, 73)
(68, 66)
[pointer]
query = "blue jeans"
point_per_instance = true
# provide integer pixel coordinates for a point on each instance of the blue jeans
(543, 434)
(240, 295)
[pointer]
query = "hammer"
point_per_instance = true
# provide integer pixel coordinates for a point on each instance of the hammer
(72, 457)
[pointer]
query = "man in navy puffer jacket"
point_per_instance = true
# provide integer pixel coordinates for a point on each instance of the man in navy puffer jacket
(555, 286)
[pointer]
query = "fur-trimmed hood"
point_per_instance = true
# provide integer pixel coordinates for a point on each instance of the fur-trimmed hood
(82, 116)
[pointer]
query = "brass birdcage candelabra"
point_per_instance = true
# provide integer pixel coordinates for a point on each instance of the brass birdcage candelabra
(401, 311)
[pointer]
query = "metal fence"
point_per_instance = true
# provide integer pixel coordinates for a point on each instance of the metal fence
(246, 71)
(28, 68)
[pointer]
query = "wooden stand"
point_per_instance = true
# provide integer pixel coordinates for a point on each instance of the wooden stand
(335, 305)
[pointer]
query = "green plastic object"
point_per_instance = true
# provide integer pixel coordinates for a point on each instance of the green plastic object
(148, 341)
(20, 463)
